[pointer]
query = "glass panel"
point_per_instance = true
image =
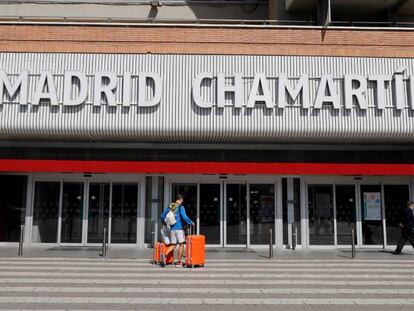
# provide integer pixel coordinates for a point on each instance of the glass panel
(396, 197)
(45, 212)
(154, 203)
(124, 213)
(371, 215)
(190, 199)
(262, 213)
(321, 220)
(345, 213)
(236, 213)
(210, 212)
(98, 211)
(12, 206)
(72, 212)
(296, 208)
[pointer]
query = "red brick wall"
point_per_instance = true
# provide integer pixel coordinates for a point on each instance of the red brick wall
(211, 40)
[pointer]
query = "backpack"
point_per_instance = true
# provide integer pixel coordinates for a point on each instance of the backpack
(170, 219)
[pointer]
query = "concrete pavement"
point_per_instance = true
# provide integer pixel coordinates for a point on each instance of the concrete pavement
(294, 280)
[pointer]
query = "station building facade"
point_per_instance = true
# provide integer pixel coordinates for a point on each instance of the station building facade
(296, 129)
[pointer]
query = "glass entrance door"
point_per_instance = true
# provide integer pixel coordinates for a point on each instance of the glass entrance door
(98, 211)
(395, 197)
(371, 212)
(262, 213)
(124, 213)
(72, 212)
(210, 211)
(236, 214)
(76, 212)
(345, 213)
(321, 217)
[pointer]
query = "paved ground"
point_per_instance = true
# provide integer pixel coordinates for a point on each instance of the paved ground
(131, 252)
(300, 280)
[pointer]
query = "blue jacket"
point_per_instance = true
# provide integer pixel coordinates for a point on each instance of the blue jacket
(179, 213)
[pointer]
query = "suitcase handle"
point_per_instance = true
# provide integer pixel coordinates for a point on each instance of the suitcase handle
(190, 229)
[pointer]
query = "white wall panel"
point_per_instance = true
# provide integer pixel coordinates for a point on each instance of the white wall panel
(178, 119)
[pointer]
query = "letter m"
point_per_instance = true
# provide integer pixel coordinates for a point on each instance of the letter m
(301, 86)
(11, 89)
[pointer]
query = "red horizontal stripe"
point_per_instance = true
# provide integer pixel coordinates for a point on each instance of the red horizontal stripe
(12, 165)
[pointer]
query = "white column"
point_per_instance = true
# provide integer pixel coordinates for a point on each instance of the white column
(59, 232)
(224, 214)
(334, 216)
(28, 220)
(222, 211)
(290, 209)
(358, 213)
(384, 228)
(110, 215)
(141, 212)
(248, 214)
(304, 214)
(85, 212)
(279, 214)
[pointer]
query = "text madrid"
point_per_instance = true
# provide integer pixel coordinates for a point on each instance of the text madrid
(145, 90)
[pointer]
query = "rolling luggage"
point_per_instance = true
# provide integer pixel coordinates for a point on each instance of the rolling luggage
(160, 248)
(195, 251)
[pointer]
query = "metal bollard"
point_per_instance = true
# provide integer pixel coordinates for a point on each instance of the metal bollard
(294, 234)
(353, 243)
(155, 233)
(21, 241)
(104, 249)
(270, 243)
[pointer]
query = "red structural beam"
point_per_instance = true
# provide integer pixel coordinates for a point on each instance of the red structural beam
(47, 166)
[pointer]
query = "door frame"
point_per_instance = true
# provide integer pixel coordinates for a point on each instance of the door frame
(357, 181)
(223, 180)
(86, 179)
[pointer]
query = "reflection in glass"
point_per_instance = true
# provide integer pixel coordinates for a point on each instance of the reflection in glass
(124, 213)
(45, 212)
(371, 215)
(345, 213)
(236, 213)
(396, 197)
(262, 213)
(210, 212)
(98, 212)
(72, 212)
(321, 220)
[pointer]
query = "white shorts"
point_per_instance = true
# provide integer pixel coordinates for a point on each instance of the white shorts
(165, 235)
(177, 237)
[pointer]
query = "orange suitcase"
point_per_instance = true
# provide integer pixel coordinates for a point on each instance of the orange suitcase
(195, 251)
(160, 248)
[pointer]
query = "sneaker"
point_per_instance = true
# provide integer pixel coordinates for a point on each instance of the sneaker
(163, 263)
(179, 264)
